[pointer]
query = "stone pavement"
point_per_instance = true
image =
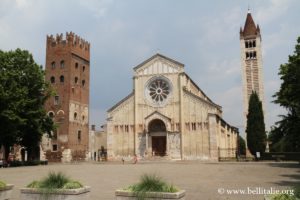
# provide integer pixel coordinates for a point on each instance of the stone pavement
(201, 180)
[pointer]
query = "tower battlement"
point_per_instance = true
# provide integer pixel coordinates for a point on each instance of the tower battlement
(70, 39)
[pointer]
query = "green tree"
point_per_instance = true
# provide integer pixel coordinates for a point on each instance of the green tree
(285, 134)
(23, 92)
(256, 134)
(242, 146)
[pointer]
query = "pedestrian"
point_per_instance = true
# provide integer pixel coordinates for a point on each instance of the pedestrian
(135, 159)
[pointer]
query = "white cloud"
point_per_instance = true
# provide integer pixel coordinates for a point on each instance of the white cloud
(275, 9)
(97, 7)
(220, 29)
(231, 102)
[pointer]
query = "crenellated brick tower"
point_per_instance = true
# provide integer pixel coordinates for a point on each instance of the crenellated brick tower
(68, 72)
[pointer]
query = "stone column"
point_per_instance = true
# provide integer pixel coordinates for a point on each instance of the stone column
(147, 150)
(212, 131)
(181, 115)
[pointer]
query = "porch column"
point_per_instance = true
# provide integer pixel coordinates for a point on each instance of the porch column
(147, 150)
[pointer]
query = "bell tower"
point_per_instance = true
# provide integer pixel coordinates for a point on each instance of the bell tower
(251, 61)
(68, 72)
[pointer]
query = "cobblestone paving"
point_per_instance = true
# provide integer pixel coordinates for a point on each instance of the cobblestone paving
(200, 180)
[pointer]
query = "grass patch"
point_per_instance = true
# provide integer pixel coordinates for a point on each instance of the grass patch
(294, 196)
(2, 184)
(151, 183)
(55, 181)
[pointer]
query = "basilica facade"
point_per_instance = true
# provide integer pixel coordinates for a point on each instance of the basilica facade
(167, 115)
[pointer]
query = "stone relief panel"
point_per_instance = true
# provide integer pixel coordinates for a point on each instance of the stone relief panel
(174, 145)
(141, 144)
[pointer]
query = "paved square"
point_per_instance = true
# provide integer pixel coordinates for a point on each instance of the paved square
(200, 180)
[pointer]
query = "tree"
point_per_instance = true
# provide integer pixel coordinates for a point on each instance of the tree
(23, 92)
(242, 146)
(256, 134)
(285, 135)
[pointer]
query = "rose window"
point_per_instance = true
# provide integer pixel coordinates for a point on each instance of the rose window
(158, 90)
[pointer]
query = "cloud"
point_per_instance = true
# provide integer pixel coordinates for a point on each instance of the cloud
(231, 102)
(97, 7)
(274, 10)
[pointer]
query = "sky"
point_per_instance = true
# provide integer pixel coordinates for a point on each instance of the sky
(203, 35)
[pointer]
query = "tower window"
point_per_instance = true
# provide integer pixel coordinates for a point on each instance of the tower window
(76, 80)
(52, 79)
(51, 114)
(62, 79)
(75, 115)
(56, 100)
(83, 68)
(83, 117)
(254, 54)
(246, 44)
(79, 135)
(76, 65)
(54, 147)
(254, 43)
(83, 82)
(62, 64)
(247, 55)
(53, 65)
(54, 134)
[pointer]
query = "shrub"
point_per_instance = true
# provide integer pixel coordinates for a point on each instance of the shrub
(55, 181)
(151, 183)
(72, 185)
(2, 184)
(283, 197)
(294, 196)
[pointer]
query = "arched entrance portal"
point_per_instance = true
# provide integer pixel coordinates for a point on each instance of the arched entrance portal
(158, 134)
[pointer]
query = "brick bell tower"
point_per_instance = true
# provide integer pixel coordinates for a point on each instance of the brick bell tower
(252, 65)
(68, 72)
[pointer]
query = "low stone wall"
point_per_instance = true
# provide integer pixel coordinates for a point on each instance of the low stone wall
(67, 194)
(126, 195)
(5, 193)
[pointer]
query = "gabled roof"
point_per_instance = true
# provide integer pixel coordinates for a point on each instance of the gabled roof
(155, 56)
(158, 113)
(250, 28)
(120, 102)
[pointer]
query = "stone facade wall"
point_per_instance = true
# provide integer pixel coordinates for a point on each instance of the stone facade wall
(192, 129)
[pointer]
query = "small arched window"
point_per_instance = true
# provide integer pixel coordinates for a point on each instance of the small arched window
(247, 55)
(76, 65)
(79, 135)
(76, 79)
(83, 82)
(51, 114)
(246, 44)
(52, 79)
(75, 115)
(83, 117)
(53, 65)
(83, 68)
(62, 79)
(62, 64)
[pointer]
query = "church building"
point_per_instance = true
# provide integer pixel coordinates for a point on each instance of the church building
(167, 115)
